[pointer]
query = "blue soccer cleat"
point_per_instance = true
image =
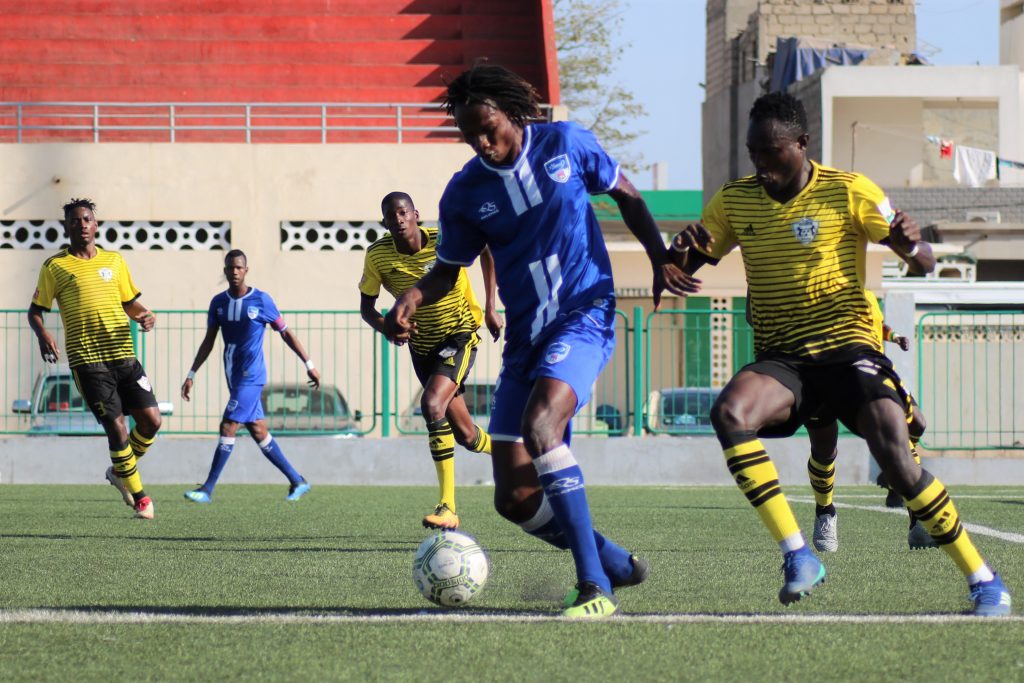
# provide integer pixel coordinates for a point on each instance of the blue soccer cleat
(990, 598)
(198, 496)
(298, 490)
(803, 571)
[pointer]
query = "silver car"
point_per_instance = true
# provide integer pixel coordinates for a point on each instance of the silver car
(56, 407)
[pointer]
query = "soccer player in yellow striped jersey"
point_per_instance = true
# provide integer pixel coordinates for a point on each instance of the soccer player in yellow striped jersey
(444, 346)
(802, 230)
(96, 296)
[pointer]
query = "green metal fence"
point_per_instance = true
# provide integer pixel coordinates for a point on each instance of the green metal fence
(605, 414)
(667, 369)
(971, 379)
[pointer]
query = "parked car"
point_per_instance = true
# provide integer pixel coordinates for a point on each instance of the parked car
(680, 410)
(56, 407)
(298, 409)
(478, 397)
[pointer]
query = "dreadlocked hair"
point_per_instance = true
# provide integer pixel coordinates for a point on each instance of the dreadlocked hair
(495, 86)
(781, 107)
(78, 204)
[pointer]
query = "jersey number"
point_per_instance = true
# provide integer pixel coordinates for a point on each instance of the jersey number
(547, 280)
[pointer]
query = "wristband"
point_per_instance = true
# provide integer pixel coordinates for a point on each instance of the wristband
(686, 248)
(913, 252)
(309, 364)
(191, 375)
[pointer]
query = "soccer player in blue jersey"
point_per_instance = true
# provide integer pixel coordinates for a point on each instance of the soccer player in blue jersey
(242, 313)
(526, 196)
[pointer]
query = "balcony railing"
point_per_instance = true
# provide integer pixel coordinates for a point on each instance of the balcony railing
(226, 122)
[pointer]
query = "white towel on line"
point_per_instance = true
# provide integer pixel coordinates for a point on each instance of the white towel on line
(973, 166)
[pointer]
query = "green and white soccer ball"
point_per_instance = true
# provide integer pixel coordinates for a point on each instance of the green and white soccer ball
(450, 567)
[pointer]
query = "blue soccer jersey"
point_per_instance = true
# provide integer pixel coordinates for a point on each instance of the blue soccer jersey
(535, 215)
(242, 322)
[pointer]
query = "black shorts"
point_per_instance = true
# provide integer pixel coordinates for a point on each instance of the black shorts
(114, 387)
(452, 358)
(831, 389)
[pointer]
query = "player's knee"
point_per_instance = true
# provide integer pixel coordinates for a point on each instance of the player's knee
(917, 424)
(727, 417)
(517, 506)
(433, 406)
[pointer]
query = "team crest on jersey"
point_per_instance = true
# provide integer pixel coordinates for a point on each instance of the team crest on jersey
(252, 312)
(559, 169)
(106, 274)
(556, 353)
(805, 230)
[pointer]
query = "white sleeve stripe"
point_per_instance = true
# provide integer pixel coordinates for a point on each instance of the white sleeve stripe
(464, 264)
(615, 181)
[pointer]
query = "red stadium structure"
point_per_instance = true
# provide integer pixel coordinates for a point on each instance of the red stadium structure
(254, 70)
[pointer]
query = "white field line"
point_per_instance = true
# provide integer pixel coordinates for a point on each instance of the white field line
(978, 529)
(90, 617)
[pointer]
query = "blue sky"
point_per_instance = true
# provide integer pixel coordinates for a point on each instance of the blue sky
(665, 63)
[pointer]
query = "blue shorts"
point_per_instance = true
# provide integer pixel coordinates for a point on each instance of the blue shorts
(244, 405)
(575, 352)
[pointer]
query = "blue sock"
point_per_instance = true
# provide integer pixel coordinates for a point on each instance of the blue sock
(220, 459)
(276, 455)
(614, 559)
(562, 480)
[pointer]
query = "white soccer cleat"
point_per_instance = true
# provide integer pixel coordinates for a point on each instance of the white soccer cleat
(118, 484)
(826, 533)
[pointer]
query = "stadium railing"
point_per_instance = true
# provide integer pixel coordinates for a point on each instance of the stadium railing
(667, 368)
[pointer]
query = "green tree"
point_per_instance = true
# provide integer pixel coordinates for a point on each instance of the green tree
(586, 39)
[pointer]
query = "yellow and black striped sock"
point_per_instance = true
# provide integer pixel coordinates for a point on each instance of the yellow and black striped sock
(482, 443)
(139, 443)
(442, 450)
(124, 467)
(933, 507)
(823, 477)
(758, 479)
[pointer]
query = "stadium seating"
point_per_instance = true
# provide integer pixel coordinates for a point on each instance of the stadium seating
(256, 51)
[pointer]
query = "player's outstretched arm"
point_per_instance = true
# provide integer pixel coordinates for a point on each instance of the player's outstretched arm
(370, 314)
(202, 353)
(491, 316)
(140, 314)
(47, 344)
(667, 275)
(398, 323)
(295, 345)
(905, 240)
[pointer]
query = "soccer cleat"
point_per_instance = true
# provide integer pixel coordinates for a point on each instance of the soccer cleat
(298, 490)
(918, 538)
(893, 500)
(198, 496)
(641, 568)
(441, 518)
(144, 508)
(118, 484)
(990, 598)
(826, 533)
(802, 571)
(592, 602)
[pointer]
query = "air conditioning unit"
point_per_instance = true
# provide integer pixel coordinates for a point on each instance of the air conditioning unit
(982, 216)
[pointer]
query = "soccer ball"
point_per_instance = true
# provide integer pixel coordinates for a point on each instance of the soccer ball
(450, 568)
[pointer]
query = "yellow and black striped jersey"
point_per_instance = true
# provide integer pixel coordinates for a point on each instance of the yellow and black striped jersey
(804, 259)
(91, 294)
(457, 311)
(877, 319)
